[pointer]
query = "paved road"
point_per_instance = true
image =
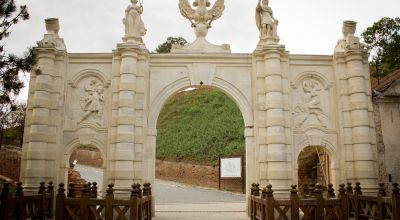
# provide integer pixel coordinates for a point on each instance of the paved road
(174, 201)
(171, 192)
(182, 202)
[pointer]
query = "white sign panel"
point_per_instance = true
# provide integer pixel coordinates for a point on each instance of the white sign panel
(231, 167)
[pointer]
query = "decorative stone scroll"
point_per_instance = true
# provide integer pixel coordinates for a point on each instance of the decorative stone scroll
(92, 101)
(309, 109)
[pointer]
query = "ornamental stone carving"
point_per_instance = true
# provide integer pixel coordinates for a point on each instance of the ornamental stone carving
(309, 109)
(52, 39)
(134, 26)
(201, 19)
(349, 41)
(266, 24)
(92, 101)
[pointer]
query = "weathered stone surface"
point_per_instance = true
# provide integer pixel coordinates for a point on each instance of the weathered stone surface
(288, 102)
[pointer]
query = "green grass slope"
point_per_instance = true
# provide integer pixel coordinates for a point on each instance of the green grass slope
(199, 126)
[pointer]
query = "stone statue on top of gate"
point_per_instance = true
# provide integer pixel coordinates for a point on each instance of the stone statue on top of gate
(201, 19)
(266, 23)
(134, 26)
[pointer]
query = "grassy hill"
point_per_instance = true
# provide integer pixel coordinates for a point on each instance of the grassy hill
(198, 126)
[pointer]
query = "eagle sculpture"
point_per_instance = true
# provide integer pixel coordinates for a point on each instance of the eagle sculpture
(201, 15)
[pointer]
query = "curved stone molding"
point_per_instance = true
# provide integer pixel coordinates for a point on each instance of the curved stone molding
(314, 140)
(89, 73)
(162, 97)
(311, 101)
(238, 97)
(318, 141)
(224, 86)
(310, 74)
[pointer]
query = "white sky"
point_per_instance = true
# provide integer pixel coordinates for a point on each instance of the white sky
(305, 26)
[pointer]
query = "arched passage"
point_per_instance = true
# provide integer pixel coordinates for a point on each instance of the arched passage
(317, 163)
(231, 91)
(84, 162)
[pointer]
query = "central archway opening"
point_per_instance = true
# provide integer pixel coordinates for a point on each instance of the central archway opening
(195, 127)
(85, 165)
(314, 166)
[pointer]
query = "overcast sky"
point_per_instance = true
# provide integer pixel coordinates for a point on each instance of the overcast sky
(305, 26)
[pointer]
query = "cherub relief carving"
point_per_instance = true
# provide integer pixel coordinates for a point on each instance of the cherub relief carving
(311, 104)
(92, 101)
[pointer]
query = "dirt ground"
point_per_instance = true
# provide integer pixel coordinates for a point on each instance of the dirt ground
(199, 175)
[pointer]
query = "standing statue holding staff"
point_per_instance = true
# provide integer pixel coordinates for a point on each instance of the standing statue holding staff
(134, 26)
(265, 20)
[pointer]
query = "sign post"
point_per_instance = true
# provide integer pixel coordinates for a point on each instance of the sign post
(231, 168)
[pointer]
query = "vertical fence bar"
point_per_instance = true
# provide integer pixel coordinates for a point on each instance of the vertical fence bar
(270, 203)
(294, 199)
(60, 202)
(19, 194)
(320, 202)
(50, 204)
(344, 214)
(147, 193)
(83, 214)
(5, 197)
(396, 201)
(379, 203)
(109, 202)
(252, 202)
(42, 193)
(357, 193)
(134, 214)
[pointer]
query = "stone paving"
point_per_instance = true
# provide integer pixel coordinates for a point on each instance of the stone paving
(209, 211)
(182, 202)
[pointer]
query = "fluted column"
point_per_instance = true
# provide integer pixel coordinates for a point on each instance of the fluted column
(275, 120)
(42, 136)
(37, 137)
(272, 140)
(360, 102)
(351, 64)
(129, 131)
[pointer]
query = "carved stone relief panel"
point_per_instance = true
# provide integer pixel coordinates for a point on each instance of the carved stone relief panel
(87, 100)
(311, 103)
(92, 100)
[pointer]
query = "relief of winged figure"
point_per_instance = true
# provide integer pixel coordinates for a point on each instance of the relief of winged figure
(201, 17)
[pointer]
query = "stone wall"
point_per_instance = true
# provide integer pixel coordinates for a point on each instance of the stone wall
(199, 175)
(387, 121)
(10, 164)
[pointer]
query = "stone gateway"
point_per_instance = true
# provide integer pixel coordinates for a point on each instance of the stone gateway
(111, 101)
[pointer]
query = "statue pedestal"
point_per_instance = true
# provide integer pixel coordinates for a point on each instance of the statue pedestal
(267, 41)
(201, 45)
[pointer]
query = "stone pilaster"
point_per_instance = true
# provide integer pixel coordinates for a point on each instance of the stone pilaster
(358, 126)
(41, 136)
(360, 102)
(129, 119)
(273, 153)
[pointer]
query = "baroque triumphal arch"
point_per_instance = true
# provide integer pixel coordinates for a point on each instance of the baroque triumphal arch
(112, 101)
